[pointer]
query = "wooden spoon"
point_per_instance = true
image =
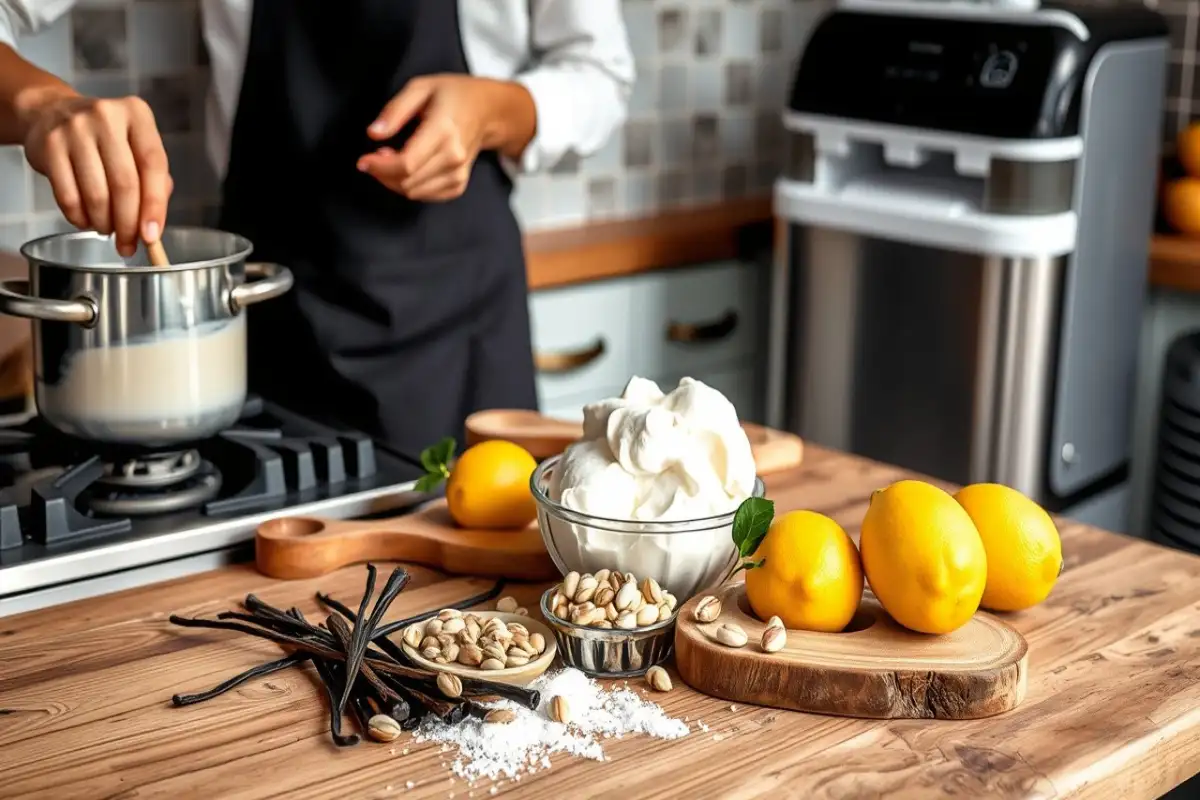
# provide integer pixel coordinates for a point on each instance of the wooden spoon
(157, 253)
(305, 547)
(546, 436)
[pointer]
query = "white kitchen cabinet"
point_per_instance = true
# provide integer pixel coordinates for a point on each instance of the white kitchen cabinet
(586, 330)
(702, 321)
(691, 320)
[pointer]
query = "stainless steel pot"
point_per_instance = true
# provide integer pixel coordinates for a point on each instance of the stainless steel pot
(131, 354)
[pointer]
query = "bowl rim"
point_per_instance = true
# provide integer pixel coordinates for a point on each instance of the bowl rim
(610, 633)
(665, 527)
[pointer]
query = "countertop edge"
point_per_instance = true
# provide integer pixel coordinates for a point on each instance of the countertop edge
(601, 250)
(614, 249)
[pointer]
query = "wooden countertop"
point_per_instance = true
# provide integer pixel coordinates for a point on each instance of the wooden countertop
(1113, 704)
(689, 236)
(613, 249)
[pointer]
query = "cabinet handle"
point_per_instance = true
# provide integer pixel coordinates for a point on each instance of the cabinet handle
(703, 332)
(555, 363)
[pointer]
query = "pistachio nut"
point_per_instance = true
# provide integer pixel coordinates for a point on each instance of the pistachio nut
(470, 655)
(447, 614)
(586, 589)
(383, 728)
(499, 716)
(559, 710)
(652, 591)
(647, 615)
(413, 636)
(708, 609)
(570, 584)
(433, 627)
(449, 685)
(658, 679)
(627, 597)
(491, 663)
(507, 604)
(453, 626)
(538, 642)
(731, 635)
(774, 638)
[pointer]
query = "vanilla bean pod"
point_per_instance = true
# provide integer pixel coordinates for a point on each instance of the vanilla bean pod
(237, 680)
(477, 688)
(383, 631)
(342, 632)
(361, 636)
(332, 682)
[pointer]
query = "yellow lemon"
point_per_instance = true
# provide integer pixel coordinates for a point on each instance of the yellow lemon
(812, 578)
(489, 486)
(1024, 553)
(923, 557)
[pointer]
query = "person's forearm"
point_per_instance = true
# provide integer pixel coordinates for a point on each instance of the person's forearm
(513, 122)
(23, 87)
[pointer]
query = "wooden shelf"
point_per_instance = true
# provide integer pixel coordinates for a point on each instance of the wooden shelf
(1175, 263)
(614, 249)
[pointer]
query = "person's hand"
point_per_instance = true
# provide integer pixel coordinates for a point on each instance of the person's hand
(460, 116)
(106, 164)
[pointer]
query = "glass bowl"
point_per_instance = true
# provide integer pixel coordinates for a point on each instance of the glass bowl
(685, 556)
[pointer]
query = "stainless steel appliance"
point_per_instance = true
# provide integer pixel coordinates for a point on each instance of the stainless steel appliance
(79, 519)
(965, 218)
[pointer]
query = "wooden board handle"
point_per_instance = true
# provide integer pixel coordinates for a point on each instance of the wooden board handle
(305, 547)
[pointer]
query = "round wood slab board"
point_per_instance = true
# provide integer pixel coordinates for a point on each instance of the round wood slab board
(876, 670)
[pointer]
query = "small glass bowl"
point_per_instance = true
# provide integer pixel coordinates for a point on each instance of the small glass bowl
(610, 652)
(685, 557)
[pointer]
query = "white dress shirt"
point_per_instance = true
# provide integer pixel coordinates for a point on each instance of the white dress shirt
(572, 55)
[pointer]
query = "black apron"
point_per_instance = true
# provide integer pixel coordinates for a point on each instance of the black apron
(405, 316)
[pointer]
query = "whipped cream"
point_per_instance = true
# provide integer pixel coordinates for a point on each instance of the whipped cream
(654, 457)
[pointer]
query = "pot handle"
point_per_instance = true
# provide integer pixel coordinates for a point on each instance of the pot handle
(271, 280)
(16, 302)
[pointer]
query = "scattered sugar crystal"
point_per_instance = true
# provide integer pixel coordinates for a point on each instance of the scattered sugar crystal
(733, 708)
(409, 784)
(526, 744)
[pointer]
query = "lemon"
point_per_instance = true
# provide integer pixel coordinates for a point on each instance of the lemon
(923, 557)
(488, 486)
(812, 578)
(1024, 553)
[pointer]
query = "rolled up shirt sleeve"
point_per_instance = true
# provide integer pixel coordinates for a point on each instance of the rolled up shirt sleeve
(580, 78)
(28, 16)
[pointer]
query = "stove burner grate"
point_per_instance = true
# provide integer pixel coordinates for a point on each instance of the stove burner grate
(153, 471)
(200, 484)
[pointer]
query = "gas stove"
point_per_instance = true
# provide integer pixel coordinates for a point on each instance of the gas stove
(78, 520)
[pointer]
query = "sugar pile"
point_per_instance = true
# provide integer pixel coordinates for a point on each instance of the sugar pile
(526, 744)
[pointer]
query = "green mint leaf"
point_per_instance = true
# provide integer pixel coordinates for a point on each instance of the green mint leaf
(750, 524)
(429, 482)
(443, 451)
(429, 460)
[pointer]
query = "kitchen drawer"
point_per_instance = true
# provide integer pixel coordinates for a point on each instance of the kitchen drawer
(696, 319)
(588, 330)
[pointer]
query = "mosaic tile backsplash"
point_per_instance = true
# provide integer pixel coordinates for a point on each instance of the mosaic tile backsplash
(703, 118)
(702, 123)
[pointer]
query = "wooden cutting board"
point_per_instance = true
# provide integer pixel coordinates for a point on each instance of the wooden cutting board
(304, 547)
(544, 437)
(876, 670)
